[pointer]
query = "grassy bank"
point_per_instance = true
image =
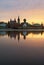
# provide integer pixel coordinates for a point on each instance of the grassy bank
(21, 29)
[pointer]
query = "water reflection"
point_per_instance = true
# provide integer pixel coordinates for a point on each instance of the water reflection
(22, 33)
(28, 51)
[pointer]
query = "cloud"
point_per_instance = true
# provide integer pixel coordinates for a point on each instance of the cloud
(31, 9)
(21, 4)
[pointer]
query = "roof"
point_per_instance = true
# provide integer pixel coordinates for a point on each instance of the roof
(3, 24)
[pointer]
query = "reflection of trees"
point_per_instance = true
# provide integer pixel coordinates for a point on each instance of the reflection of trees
(17, 34)
(3, 33)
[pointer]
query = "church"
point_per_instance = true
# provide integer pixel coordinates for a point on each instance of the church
(16, 24)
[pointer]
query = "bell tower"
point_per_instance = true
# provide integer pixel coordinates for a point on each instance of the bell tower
(18, 20)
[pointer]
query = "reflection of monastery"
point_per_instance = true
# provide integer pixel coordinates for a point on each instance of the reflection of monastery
(17, 24)
(17, 35)
(24, 34)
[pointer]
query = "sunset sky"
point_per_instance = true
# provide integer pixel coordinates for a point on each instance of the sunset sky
(32, 10)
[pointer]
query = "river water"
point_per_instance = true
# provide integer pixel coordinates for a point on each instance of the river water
(21, 48)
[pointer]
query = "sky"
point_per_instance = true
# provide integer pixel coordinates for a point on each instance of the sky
(32, 10)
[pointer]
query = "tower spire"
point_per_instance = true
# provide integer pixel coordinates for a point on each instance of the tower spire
(18, 20)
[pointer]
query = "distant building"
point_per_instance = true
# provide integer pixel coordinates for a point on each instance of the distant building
(24, 24)
(37, 25)
(12, 23)
(2, 24)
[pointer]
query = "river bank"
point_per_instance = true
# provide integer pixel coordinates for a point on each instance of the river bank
(22, 30)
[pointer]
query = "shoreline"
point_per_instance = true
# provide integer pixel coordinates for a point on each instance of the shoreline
(22, 30)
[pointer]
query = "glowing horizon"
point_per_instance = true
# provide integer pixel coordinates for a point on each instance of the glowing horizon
(35, 16)
(32, 10)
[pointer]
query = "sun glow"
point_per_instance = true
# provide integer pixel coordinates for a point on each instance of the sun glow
(35, 16)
